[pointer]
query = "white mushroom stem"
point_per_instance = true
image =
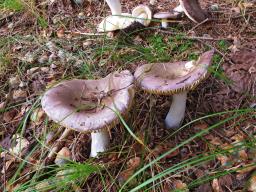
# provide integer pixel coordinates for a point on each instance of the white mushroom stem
(179, 9)
(115, 6)
(164, 23)
(176, 113)
(100, 142)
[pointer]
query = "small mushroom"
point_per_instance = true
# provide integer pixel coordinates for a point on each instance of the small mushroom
(143, 14)
(164, 16)
(193, 10)
(90, 105)
(179, 9)
(174, 79)
(117, 20)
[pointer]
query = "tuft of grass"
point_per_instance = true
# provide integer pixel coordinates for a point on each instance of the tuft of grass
(192, 162)
(5, 62)
(13, 5)
(217, 70)
(223, 45)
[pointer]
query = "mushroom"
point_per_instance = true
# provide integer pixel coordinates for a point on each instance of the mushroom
(193, 10)
(174, 79)
(117, 20)
(164, 16)
(142, 14)
(179, 9)
(115, 6)
(90, 105)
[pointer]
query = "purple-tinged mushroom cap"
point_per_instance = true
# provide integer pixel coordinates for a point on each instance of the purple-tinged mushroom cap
(170, 78)
(86, 105)
(174, 79)
(90, 105)
(193, 10)
(164, 16)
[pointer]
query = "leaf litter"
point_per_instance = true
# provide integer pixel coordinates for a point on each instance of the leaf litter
(51, 58)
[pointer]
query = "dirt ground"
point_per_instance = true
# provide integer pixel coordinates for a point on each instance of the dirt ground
(44, 43)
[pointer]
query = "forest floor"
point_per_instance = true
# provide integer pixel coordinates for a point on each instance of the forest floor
(44, 42)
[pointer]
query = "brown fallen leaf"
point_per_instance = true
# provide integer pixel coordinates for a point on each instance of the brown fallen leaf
(14, 81)
(2, 105)
(19, 94)
(204, 188)
(215, 186)
(132, 164)
(243, 155)
(246, 169)
(63, 156)
(224, 160)
(252, 183)
(20, 144)
(226, 181)
(178, 184)
(201, 126)
(9, 115)
(37, 116)
(60, 33)
(162, 148)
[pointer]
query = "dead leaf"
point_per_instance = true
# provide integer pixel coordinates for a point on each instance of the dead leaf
(224, 160)
(236, 10)
(132, 164)
(252, 183)
(204, 188)
(124, 175)
(20, 143)
(2, 105)
(37, 116)
(10, 115)
(14, 81)
(60, 33)
(215, 186)
(226, 181)
(216, 141)
(162, 148)
(201, 126)
(178, 184)
(243, 155)
(7, 165)
(247, 169)
(19, 94)
(63, 156)
(236, 45)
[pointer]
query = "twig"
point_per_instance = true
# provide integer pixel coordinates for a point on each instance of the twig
(58, 144)
(88, 34)
(204, 21)
(196, 37)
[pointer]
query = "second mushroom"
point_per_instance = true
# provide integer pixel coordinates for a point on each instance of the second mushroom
(174, 79)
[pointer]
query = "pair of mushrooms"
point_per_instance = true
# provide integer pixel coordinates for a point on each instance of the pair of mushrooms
(118, 20)
(143, 15)
(91, 105)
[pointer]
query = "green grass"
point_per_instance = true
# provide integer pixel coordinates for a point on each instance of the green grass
(14, 5)
(217, 70)
(156, 48)
(193, 162)
(223, 45)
